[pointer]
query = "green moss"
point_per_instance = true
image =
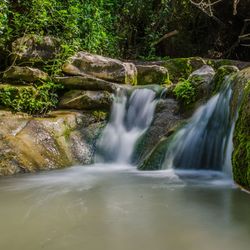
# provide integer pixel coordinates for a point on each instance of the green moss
(185, 92)
(178, 68)
(100, 115)
(241, 154)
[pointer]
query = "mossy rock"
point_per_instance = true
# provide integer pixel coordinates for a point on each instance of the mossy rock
(183, 67)
(221, 74)
(152, 74)
(241, 154)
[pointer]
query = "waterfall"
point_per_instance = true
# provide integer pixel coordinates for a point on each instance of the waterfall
(205, 142)
(130, 118)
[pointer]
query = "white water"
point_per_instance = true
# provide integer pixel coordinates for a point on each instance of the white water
(205, 142)
(130, 118)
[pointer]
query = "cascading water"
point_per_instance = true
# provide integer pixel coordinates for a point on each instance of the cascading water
(205, 142)
(130, 118)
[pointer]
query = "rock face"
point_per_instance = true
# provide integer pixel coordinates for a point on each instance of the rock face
(26, 74)
(101, 67)
(151, 74)
(86, 100)
(33, 49)
(29, 144)
(241, 153)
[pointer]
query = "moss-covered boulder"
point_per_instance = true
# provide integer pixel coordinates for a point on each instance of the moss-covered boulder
(182, 67)
(151, 74)
(34, 49)
(86, 100)
(241, 153)
(101, 67)
(59, 140)
(25, 74)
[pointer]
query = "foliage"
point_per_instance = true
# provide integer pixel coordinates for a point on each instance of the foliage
(33, 100)
(185, 91)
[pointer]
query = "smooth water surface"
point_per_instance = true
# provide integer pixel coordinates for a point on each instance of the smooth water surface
(118, 208)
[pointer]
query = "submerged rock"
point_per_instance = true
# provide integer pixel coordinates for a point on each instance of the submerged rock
(26, 74)
(86, 100)
(101, 67)
(151, 74)
(62, 139)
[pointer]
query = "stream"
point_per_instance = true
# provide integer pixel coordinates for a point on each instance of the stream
(113, 207)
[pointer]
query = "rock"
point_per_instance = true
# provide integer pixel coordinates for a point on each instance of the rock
(151, 74)
(182, 67)
(86, 100)
(34, 49)
(86, 82)
(101, 67)
(62, 139)
(26, 74)
(166, 118)
(201, 80)
(241, 137)
(221, 74)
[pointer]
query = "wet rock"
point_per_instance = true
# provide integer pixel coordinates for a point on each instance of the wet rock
(86, 100)
(26, 74)
(101, 67)
(165, 120)
(34, 49)
(151, 74)
(221, 74)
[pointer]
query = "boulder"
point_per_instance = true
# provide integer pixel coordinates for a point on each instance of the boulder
(34, 49)
(86, 100)
(86, 82)
(101, 67)
(62, 139)
(26, 74)
(202, 79)
(151, 74)
(182, 67)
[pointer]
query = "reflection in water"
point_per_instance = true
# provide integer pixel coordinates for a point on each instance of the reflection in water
(118, 208)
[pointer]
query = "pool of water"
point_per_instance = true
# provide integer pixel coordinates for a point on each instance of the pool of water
(117, 208)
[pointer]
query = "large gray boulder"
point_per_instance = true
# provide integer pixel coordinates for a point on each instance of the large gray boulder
(26, 74)
(86, 100)
(62, 139)
(101, 67)
(151, 74)
(34, 49)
